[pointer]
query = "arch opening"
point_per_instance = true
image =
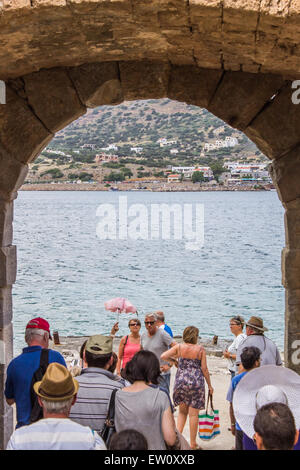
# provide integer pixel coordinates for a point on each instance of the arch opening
(41, 103)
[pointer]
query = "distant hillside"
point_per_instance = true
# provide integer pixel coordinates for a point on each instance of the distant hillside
(138, 124)
(143, 123)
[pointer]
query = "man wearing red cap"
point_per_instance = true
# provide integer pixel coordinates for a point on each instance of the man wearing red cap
(22, 368)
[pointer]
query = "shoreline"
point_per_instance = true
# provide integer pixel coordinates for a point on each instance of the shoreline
(152, 187)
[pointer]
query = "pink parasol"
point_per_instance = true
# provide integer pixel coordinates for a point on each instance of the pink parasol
(120, 305)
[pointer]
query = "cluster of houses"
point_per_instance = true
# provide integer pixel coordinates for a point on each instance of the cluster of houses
(237, 173)
(218, 144)
(178, 173)
(241, 173)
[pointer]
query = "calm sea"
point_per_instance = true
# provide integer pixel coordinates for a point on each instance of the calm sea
(66, 272)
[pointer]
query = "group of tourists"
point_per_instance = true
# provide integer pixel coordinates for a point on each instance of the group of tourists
(62, 409)
(264, 411)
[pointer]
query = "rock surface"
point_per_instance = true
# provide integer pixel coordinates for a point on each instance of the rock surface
(247, 35)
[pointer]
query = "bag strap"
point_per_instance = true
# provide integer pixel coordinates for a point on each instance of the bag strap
(209, 399)
(111, 407)
(126, 341)
(44, 359)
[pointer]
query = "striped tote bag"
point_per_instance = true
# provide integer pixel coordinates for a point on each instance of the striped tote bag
(209, 424)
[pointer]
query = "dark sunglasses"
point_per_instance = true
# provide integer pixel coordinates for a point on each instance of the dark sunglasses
(149, 322)
(237, 320)
(134, 324)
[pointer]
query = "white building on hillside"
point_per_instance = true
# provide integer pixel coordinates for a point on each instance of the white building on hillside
(110, 147)
(218, 144)
(163, 142)
(137, 149)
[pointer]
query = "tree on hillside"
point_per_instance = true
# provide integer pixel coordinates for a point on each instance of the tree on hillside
(198, 177)
(54, 172)
(114, 176)
(217, 169)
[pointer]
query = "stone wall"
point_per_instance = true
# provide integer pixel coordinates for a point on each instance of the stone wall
(239, 35)
(7, 279)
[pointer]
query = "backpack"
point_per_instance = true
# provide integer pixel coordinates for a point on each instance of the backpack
(36, 410)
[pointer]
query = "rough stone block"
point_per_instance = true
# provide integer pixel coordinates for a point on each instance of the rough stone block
(6, 223)
(8, 265)
(285, 174)
(144, 80)
(12, 174)
(6, 426)
(290, 263)
(16, 120)
(276, 129)
(278, 8)
(292, 224)
(6, 412)
(97, 84)
(292, 329)
(232, 18)
(240, 96)
(206, 15)
(6, 348)
(53, 98)
(193, 85)
(15, 4)
(6, 311)
(180, 57)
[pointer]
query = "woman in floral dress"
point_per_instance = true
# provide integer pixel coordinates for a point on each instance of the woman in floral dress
(189, 386)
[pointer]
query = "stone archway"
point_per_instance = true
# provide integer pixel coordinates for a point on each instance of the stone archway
(237, 59)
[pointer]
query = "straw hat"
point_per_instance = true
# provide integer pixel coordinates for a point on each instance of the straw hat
(265, 384)
(57, 384)
(257, 323)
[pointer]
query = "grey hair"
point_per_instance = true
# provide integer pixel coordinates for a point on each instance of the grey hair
(57, 407)
(153, 315)
(30, 333)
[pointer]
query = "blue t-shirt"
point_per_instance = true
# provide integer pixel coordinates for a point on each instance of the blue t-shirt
(168, 330)
(19, 376)
(231, 390)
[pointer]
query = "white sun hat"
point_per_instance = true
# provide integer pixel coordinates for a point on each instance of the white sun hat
(262, 385)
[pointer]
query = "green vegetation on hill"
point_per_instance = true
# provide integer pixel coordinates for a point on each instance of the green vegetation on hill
(143, 123)
(138, 124)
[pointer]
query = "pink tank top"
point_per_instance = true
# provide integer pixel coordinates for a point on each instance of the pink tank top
(129, 351)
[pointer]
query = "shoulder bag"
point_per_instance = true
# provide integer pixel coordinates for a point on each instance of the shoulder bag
(109, 429)
(36, 411)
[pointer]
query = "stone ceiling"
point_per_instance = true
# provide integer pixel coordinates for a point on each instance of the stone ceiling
(239, 35)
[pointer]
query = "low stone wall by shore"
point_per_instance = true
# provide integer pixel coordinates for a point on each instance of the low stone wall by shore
(160, 187)
(74, 343)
